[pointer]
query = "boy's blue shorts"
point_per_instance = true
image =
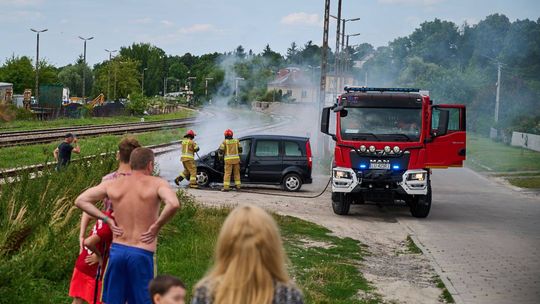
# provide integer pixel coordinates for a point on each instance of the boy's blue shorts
(128, 272)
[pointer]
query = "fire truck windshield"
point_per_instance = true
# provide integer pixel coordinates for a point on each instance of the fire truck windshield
(381, 124)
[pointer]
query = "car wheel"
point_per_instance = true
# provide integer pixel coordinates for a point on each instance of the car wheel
(203, 178)
(292, 182)
(341, 203)
(421, 205)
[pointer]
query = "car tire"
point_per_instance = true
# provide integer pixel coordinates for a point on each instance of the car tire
(292, 182)
(421, 205)
(203, 178)
(341, 203)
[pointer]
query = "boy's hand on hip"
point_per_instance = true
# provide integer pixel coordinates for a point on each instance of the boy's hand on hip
(117, 231)
(150, 235)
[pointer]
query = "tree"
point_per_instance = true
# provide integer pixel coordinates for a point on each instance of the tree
(240, 52)
(154, 59)
(292, 54)
(20, 72)
(71, 76)
(124, 77)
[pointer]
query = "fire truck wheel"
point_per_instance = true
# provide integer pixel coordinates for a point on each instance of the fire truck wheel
(421, 205)
(341, 203)
(292, 182)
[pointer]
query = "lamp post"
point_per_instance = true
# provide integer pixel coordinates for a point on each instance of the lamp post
(236, 89)
(142, 82)
(341, 54)
(206, 85)
(347, 55)
(37, 60)
(84, 68)
(109, 72)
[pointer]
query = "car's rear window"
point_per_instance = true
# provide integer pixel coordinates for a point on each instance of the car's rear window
(293, 149)
(267, 148)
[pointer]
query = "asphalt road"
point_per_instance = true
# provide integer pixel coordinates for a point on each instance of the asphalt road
(485, 238)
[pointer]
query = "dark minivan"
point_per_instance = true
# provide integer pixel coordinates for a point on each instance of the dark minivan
(265, 159)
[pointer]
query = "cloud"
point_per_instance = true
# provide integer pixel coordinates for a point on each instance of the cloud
(411, 2)
(20, 2)
(167, 23)
(301, 19)
(197, 28)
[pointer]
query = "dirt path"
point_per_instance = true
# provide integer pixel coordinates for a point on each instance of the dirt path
(399, 276)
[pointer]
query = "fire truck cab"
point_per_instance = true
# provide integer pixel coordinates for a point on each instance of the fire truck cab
(387, 142)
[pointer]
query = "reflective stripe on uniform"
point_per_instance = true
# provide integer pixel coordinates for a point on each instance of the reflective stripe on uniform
(231, 149)
(188, 149)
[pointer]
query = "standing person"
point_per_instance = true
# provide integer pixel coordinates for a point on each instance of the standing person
(125, 147)
(249, 263)
(62, 154)
(231, 150)
(166, 289)
(86, 281)
(136, 202)
(189, 147)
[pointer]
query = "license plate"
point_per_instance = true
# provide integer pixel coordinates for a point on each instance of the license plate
(379, 166)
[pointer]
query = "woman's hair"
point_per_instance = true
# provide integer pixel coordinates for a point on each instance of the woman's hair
(248, 260)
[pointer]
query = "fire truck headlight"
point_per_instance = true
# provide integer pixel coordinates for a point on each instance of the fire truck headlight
(417, 176)
(372, 149)
(396, 149)
(387, 149)
(342, 174)
(363, 149)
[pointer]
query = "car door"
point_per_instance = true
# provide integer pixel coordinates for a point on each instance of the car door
(265, 161)
(245, 157)
(447, 150)
(294, 155)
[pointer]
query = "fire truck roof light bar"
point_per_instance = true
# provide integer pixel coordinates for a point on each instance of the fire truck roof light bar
(364, 89)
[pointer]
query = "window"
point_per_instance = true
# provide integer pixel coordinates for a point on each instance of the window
(454, 119)
(289, 92)
(246, 146)
(267, 148)
(304, 93)
(292, 149)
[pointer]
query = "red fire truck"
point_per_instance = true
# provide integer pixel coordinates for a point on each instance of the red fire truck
(387, 142)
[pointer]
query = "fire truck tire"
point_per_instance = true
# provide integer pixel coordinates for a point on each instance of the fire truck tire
(341, 203)
(421, 205)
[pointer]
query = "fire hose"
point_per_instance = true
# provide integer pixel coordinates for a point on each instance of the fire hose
(265, 193)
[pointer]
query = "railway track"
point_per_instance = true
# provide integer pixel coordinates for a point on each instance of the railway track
(16, 138)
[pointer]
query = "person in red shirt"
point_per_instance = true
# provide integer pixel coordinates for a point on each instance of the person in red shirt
(87, 275)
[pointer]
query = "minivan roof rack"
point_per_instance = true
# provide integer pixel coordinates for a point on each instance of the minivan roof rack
(369, 89)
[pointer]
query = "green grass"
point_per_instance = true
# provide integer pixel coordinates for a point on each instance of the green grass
(39, 228)
(446, 296)
(411, 246)
(526, 182)
(18, 156)
(483, 152)
(18, 125)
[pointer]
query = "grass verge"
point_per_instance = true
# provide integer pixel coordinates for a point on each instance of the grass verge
(526, 182)
(18, 156)
(38, 243)
(19, 125)
(411, 246)
(446, 296)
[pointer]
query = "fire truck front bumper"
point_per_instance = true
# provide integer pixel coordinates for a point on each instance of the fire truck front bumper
(410, 182)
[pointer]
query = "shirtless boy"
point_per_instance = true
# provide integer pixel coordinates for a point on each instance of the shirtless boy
(135, 200)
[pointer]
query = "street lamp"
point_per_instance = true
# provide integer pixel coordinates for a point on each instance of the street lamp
(109, 72)
(236, 89)
(37, 60)
(142, 82)
(84, 68)
(206, 85)
(337, 68)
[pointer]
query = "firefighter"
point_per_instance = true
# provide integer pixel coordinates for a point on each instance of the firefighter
(189, 147)
(230, 148)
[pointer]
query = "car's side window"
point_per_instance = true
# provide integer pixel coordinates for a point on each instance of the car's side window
(267, 148)
(292, 149)
(246, 146)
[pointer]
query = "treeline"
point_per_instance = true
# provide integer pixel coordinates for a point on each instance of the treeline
(458, 64)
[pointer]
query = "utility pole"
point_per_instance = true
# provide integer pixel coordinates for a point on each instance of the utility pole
(322, 89)
(336, 59)
(347, 55)
(142, 82)
(84, 68)
(165, 86)
(236, 89)
(497, 98)
(37, 61)
(206, 86)
(109, 72)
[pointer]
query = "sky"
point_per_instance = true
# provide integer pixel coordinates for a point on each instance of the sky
(204, 26)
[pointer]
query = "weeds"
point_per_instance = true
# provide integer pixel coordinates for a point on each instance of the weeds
(411, 246)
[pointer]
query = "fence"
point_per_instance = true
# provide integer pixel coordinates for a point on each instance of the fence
(526, 140)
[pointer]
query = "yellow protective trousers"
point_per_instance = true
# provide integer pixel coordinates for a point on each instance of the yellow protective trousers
(190, 171)
(234, 168)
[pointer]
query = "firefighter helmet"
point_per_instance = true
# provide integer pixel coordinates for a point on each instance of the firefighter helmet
(228, 133)
(190, 133)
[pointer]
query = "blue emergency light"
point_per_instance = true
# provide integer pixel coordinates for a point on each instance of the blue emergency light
(395, 167)
(363, 166)
(366, 89)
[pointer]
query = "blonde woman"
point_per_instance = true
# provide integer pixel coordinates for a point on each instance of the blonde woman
(249, 263)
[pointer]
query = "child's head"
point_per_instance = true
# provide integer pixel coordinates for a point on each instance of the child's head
(166, 289)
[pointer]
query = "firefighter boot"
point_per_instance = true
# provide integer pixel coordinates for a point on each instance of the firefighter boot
(178, 179)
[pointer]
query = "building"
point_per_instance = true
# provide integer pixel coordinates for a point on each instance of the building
(294, 85)
(6, 92)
